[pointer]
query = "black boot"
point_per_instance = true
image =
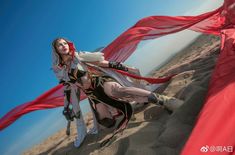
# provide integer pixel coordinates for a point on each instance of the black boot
(170, 103)
(154, 98)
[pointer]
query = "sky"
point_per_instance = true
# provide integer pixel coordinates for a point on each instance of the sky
(27, 29)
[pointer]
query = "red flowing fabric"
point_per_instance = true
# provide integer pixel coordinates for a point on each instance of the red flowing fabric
(215, 127)
(157, 26)
(216, 122)
(55, 98)
(121, 48)
(148, 79)
(214, 131)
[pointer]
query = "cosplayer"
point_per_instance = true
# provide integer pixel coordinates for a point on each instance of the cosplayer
(105, 90)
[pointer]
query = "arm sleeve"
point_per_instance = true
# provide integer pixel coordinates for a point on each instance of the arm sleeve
(85, 56)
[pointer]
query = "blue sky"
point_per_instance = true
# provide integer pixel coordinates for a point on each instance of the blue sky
(26, 31)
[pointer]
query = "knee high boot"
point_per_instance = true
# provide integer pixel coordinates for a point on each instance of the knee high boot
(169, 103)
(81, 131)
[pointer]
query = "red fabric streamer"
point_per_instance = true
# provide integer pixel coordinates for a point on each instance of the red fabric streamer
(55, 98)
(157, 26)
(121, 48)
(213, 132)
(149, 80)
(216, 122)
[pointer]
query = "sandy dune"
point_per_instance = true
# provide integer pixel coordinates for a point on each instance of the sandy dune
(153, 130)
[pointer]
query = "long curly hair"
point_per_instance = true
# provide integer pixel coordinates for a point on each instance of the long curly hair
(56, 57)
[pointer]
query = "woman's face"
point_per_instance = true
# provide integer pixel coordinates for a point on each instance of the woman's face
(62, 47)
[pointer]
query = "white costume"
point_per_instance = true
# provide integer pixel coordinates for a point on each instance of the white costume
(62, 75)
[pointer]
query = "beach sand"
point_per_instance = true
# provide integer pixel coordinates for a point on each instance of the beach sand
(152, 130)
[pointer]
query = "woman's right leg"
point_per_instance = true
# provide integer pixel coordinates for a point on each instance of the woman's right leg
(115, 90)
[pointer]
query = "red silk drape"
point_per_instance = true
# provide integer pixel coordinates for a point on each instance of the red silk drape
(213, 132)
(216, 122)
(118, 50)
(55, 98)
(157, 26)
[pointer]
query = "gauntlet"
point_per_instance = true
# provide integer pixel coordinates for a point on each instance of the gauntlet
(117, 65)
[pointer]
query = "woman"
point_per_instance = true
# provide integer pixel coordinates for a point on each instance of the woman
(89, 72)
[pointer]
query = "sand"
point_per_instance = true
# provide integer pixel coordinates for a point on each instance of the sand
(152, 130)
